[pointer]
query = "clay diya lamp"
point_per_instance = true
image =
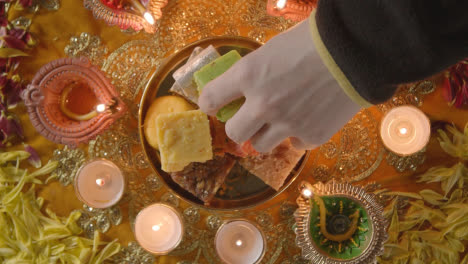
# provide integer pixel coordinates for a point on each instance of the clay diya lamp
(128, 14)
(71, 101)
(339, 223)
(295, 10)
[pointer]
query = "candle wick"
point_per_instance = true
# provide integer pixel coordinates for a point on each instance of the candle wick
(100, 108)
(239, 243)
(156, 227)
(149, 18)
(403, 130)
(281, 4)
(306, 192)
(100, 182)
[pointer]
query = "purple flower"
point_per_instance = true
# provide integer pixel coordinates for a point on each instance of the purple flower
(10, 128)
(34, 159)
(12, 91)
(12, 42)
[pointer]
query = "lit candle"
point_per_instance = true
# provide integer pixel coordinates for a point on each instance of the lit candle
(158, 228)
(99, 183)
(239, 242)
(405, 130)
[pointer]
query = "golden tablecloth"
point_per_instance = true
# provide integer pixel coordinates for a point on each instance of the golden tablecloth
(183, 22)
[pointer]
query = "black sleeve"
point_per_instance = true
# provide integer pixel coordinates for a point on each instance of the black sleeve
(379, 44)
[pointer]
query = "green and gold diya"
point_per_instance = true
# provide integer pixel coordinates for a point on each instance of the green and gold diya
(339, 223)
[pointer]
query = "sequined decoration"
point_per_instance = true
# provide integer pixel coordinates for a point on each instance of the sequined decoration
(410, 162)
(409, 94)
(87, 45)
(70, 160)
(117, 144)
(322, 173)
(329, 150)
(360, 150)
(133, 254)
(50, 5)
(22, 22)
(93, 219)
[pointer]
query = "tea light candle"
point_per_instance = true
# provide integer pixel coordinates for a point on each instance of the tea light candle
(99, 183)
(240, 242)
(405, 130)
(158, 228)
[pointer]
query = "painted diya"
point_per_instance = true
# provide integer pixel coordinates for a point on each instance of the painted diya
(295, 10)
(128, 14)
(71, 101)
(339, 223)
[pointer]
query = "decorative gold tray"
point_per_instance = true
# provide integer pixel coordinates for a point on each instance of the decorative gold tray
(241, 189)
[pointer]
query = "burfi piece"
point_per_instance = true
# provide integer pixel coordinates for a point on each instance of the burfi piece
(183, 138)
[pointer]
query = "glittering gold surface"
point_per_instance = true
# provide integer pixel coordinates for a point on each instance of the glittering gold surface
(353, 154)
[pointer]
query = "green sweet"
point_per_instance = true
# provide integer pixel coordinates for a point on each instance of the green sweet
(214, 69)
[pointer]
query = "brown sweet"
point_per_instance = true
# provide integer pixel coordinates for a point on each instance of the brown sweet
(273, 168)
(42, 99)
(204, 179)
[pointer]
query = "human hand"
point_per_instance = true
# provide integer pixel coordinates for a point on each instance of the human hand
(289, 93)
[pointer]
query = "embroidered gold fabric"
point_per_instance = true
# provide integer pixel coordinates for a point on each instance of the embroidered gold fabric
(354, 154)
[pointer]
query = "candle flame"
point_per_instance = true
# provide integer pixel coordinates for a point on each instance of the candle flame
(239, 243)
(281, 4)
(156, 227)
(100, 182)
(100, 108)
(307, 193)
(149, 18)
(403, 130)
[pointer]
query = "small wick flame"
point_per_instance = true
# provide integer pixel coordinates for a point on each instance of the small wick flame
(156, 227)
(100, 182)
(281, 4)
(403, 130)
(239, 243)
(307, 193)
(100, 108)
(149, 18)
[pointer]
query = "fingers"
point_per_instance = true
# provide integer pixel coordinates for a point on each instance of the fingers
(222, 90)
(300, 145)
(243, 125)
(268, 138)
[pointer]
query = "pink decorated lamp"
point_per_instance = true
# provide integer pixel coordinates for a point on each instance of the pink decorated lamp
(71, 101)
(128, 14)
(296, 10)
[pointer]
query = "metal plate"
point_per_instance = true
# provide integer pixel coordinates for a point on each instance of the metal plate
(241, 189)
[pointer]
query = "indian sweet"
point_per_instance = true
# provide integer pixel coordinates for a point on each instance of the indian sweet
(183, 138)
(162, 105)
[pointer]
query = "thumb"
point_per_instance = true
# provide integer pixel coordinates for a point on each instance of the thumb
(222, 90)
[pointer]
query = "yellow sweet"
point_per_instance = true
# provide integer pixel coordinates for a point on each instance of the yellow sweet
(162, 105)
(183, 138)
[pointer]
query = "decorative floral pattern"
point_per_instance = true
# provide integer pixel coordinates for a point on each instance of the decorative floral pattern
(408, 162)
(88, 46)
(93, 219)
(409, 94)
(133, 254)
(70, 160)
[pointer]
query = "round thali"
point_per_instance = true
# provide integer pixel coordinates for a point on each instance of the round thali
(240, 189)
